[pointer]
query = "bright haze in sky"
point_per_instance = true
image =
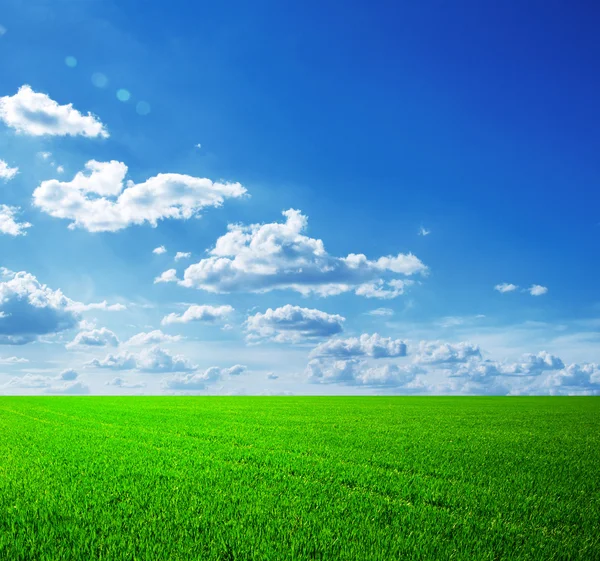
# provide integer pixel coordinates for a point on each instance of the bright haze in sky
(259, 198)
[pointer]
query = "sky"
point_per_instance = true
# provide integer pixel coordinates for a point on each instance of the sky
(264, 199)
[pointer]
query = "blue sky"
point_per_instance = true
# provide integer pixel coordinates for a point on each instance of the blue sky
(436, 163)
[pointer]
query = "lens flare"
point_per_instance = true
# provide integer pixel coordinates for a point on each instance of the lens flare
(99, 80)
(123, 95)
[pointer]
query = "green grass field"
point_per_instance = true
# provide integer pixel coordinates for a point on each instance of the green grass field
(272, 478)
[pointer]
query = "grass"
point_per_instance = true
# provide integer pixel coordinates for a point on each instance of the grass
(271, 478)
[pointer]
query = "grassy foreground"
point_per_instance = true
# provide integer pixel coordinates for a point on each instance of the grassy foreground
(299, 478)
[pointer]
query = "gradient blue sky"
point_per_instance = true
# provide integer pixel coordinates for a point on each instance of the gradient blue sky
(473, 122)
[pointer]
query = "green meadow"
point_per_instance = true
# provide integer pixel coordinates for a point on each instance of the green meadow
(277, 478)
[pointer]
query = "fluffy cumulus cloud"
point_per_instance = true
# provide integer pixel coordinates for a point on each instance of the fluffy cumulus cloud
(6, 172)
(97, 200)
(575, 376)
(199, 380)
(167, 276)
(159, 250)
(182, 255)
(199, 313)
(359, 372)
(534, 364)
(437, 352)
(445, 368)
(36, 114)
(292, 324)
(151, 360)
(506, 287)
(373, 346)
(94, 338)
(537, 290)
(29, 309)
(265, 257)
(483, 371)
(152, 338)
(8, 221)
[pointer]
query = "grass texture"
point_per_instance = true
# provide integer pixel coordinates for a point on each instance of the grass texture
(278, 478)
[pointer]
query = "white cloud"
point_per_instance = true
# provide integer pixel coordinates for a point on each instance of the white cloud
(12, 360)
(121, 383)
(383, 312)
(234, 370)
(455, 321)
(67, 380)
(199, 313)
(535, 364)
(68, 375)
(70, 388)
(159, 250)
(199, 380)
(121, 361)
(60, 169)
(30, 381)
(182, 255)
(152, 338)
(424, 231)
(35, 114)
(265, 257)
(357, 372)
(98, 202)
(537, 290)
(377, 289)
(104, 306)
(8, 224)
(373, 346)
(293, 324)
(437, 352)
(167, 276)
(94, 338)
(29, 309)
(6, 172)
(272, 376)
(505, 287)
(585, 375)
(153, 360)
